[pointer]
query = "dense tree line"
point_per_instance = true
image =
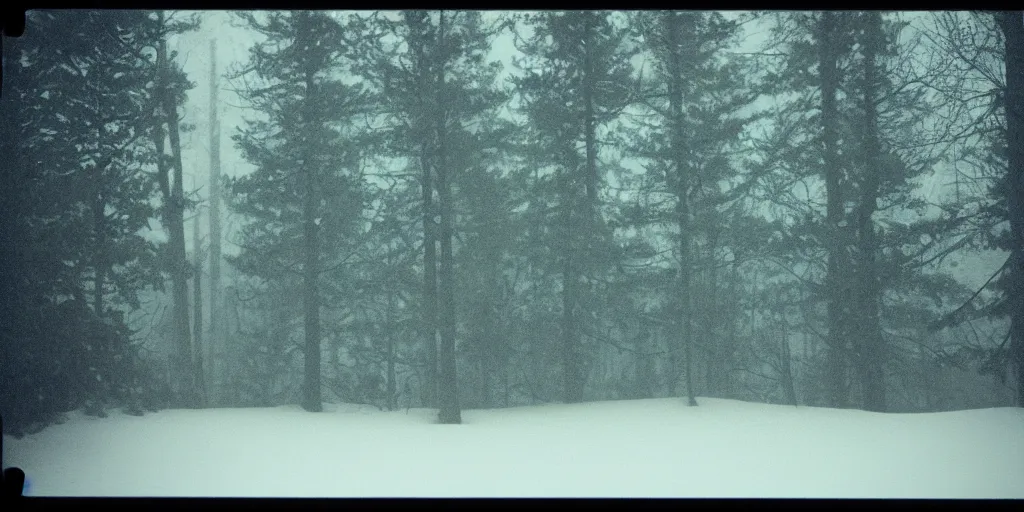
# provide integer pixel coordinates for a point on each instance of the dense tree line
(83, 157)
(640, 206)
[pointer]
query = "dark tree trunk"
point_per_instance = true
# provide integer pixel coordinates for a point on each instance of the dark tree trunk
(12, 181)
(871, 344)
(175, 208)
(429, 287)
(682, 169)
(571, 387)
(429, 290)
(311, 399)
(835, 213)
(427, 163)
(449, 392)
(579, 254)
(311, 393)
(449, 400)
(1012, 24)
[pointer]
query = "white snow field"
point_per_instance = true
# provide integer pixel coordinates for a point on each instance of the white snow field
(636, 448)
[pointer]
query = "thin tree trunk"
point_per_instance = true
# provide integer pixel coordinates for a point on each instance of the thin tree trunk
(485, 340)
(505, 386)
(100, 250)
(785, 357)
(570, 336)
(449, 392)
(590, 120)
(835, 213)
(217, 325)
(197, 309)
(392, 385)
(279, 333)
(715, 366)
(671, 340)
(733, 319)
(644, 372)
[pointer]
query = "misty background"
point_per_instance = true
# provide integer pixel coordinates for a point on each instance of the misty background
(785, 207)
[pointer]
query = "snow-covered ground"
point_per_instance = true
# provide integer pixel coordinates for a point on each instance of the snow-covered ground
(638, 448)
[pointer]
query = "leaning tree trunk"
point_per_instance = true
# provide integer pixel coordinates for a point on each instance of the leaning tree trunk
(174, 206)
(180, 259)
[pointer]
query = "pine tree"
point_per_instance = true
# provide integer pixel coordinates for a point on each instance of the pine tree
(697, 99)
(578, 80)
(868, 120)
(817, 63)
(1014, 34)
(169, 88)
(77, 198)
(303, 203)
(430, 68)
(218, 332)
(488, 234)
(974, 57)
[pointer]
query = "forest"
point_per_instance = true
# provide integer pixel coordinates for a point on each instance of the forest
(462, 210)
